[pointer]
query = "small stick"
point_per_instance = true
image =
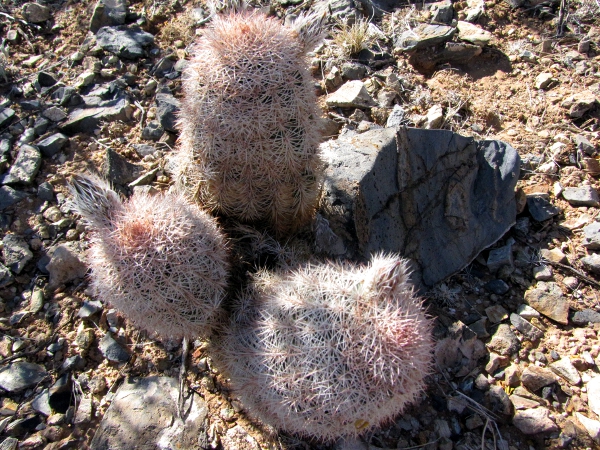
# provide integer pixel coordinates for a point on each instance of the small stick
(185, 347)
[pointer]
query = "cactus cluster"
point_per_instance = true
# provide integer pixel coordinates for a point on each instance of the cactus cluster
(157, 259)
(329, 349)
(249, 124)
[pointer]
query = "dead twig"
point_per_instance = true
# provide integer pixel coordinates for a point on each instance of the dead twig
(579, 273)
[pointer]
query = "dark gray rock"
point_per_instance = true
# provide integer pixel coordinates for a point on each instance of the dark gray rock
(5, 276)
(584, 145)
(73, 363)
(5, 146)
(397, 117)
(442, 12)
(581, 196)
(150, 404)
(41, 403)
(21, 375)
(40, 125)
(500, 257)
(16, 253)
(586, 316)
(540, 207)
(46, 79)
(112, 350)
(36, 13)
(67, 96)
(46, 192)
(592, 263)
(9, 197)
(153, 131)
(433, 196)
(144, 149)
(125, 42)
(336, 9)
(591, 239)
(163, 66)
(531, 332)
(6, 117)
(65, 265)
(55, 114)
(85, 120)
(118, 170)
(25, 167)
(504, 341)
(497, 401)
(353, 71)
(108, 13)
(423, 35)
(51, 145)
(167, 108)
(498, 287)
(30, 105)
(89, 308)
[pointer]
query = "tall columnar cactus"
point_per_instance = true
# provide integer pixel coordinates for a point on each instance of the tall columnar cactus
(329, 350)
(159, 260)
(249, 123)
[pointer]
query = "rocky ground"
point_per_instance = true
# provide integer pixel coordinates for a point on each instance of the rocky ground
(94, 86)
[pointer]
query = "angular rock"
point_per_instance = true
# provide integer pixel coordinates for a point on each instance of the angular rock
(583, 144)
(534, 421)
(435, 197)
(36, 13)
(108, 13)
(473, 34)
(544, 80)
(497, 401)
(6, 277)
(352, 94)
(125, 42)
(498, 287)
(548, 299)
(9, 197)
(442, 12)
(593, 391)
(84, 411)
(500, 257)
(353, 71)
(504, 341)
(423, 35)
(167, 108)
(25, 167)
(531, 332)
(496, 313)
(581, 196)
(585, 317)
(540, 208)
(523, 402)
(527, 312)
(41, 403)
(435, 117)
(153, 131)
(51, 145)
(118, 170)
(65, 265)
(591, 239)
(16, 253)
(534, 378)
(591, 426)
(579, 104)
(554, 255)
(85, 120)
(55, 114)
(452, 52)
(151, 404)
(6, 117)
(564, 368)
(21, 375)
(397, 117)
(89, 308)
(112, 350)
(336, 9)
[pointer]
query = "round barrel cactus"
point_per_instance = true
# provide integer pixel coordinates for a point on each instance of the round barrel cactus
(157, 259)
(249, 124)
(329, 350)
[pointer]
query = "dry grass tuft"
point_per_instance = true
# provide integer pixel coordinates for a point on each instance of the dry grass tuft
(351, 39)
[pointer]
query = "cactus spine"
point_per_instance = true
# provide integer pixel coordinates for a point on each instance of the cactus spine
(329, 350)
(249, 124)
(157, 259)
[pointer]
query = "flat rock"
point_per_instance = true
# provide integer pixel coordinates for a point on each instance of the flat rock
(554, 255)
(424, 35)
(433, 196)
(10, 196)
(591, 238)
(579, 104)
(85, 120)
(544, 80)
(167, 108)
(352, 94)
(125, 42)
(581, 196)
(593, 392)
(585, 317)
(36, 13)
(540, 207)
(26, 166)
(118, 170)
(149, 407)
(498, 287)
(522, 402)
(535, 378)
(55, 114)
(108, 13)
(547, 298)
(534, 421)
(504, 341)
(500, 257)
(21, 375)
(6, 276)
(112, 350)
(591, 426)
(16, 253)
(452, 52)
(442, 12)
(565, 369)
(473, 34)
(6, 116)
(65, 265)
(52, 144)
(496, 313)
(531, 332)
(337, 9)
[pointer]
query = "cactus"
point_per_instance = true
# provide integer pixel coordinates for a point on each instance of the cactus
(329, 350)
(157, 259)
(249, 123)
